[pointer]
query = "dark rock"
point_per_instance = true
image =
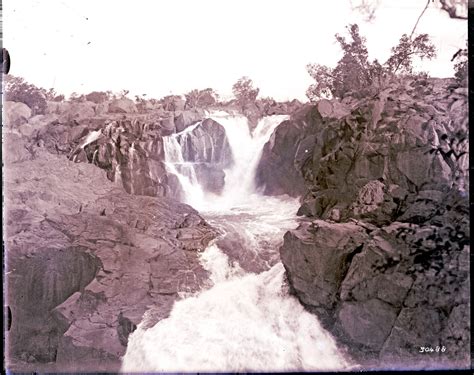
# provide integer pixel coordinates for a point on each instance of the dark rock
(367, 323)
(167, 125)
(289, 147)
(207, 143)
(187, 118)
(316, 257)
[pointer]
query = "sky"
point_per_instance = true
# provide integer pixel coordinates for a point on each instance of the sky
(159, 47)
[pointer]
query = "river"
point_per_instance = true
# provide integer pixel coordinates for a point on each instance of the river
(245, 319)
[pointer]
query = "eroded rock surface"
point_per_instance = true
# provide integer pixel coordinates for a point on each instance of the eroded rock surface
(382, 256)
(85, 260)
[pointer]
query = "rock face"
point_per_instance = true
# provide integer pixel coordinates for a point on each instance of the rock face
(86, 260)
(382, 255)
(207, 147)
(291, 143)
(184, 119)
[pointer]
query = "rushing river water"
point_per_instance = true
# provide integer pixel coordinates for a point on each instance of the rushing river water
(246, 320)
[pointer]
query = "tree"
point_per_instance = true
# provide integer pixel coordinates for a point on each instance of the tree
(18, 90)
(200, 98)
(461, 67)
(402, 54)
(97, 97)
(244, 91)
(456, 9)
(354, 73)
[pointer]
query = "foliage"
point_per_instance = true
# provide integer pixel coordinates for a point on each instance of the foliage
(354, 73)
(200, 98)
(75, 97)
(402, 54)
(18, 90)
(244, 91)
(461, 66)
(168, 102)
(98, 97)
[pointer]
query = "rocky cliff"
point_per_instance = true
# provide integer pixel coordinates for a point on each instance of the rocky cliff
(85, 259)
(382, 254)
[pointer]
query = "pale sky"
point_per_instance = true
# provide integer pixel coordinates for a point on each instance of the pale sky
(161, 47)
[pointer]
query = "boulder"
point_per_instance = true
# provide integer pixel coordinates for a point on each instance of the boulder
(16, 113)
(178, 104)
(186, 118)
(316, 257)
(167, 125)
(332, 109)
(77, 111)
(289, 147)
(57, 107)
(206, 143)
(123, 105)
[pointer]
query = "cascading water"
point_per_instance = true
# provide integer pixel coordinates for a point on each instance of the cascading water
(246, 320)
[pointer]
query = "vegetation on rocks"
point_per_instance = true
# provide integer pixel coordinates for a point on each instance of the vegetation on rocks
(382, 256)
(354, 74)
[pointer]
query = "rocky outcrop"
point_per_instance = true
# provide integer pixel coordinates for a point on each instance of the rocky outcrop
(382, 255)
(279, 169)
(85, 260)
(183, 119)
(16, 113)
(387, 292)
(123, 105)
(207, 147)
(78, 111)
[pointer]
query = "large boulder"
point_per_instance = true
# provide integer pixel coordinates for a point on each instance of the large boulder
(292, 142)
(206, 143)
(379, 292)
(167, 125)
(123, 105)
(206, 146)
(184, 119)
(16, 113)
(316, 256)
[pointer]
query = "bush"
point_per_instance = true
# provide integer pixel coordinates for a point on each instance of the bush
(97, 97)
(18, 90)
(461, 67)
(200, 98)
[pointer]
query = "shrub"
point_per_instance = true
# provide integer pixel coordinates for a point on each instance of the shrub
(18, 90)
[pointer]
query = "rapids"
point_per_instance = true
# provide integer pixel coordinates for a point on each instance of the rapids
(246, 320)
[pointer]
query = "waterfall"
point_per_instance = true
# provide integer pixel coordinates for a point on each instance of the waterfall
(246, 148)
(246, 319)
(183, 170)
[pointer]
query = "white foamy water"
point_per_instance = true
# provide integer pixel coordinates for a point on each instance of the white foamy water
(246, 320)
(243, 323)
